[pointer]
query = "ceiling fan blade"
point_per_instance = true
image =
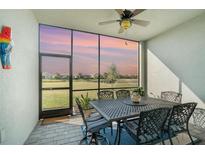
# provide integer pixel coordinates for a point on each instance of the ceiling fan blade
(140, 22)
(108, 22)
(136, 12)
(121, 30)
(119, 11)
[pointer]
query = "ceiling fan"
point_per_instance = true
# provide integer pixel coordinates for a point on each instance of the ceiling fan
(126, 19)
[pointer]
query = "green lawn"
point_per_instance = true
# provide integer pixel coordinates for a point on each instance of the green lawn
(55, 99)
(60, 98)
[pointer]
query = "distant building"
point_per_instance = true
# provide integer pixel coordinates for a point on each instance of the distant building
(46, 75)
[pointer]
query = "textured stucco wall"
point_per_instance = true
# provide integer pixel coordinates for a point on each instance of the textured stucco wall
(19, 86)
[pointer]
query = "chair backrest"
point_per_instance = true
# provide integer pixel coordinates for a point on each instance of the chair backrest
(106, 95)
(181, 114)
(81, 111)
(122, 94)
(199, 117)
(171, 96)
(152, 122)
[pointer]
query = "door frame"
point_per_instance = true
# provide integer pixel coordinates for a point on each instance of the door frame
(55, 112)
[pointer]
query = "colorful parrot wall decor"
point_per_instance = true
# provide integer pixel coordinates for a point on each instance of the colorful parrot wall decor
(6, 45)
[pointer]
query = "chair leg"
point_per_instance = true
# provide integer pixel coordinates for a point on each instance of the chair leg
(111, 130)
(84, 130)
(102, 137)
(190, 137)
(120, 131)
(104, 130)
(162, 139)
(170, 139)
(84, 138)
(107, 141)
(116, 142)
(95, 139)
(91, 139)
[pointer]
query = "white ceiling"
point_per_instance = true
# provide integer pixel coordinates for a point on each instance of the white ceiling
(87, 20)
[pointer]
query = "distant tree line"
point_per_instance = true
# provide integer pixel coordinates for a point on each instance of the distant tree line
(110, 76)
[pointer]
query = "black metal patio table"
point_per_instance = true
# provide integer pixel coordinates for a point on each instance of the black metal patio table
(119, 110)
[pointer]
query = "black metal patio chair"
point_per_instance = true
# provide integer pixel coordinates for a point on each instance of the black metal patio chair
(148, 128)
(120, 94)
(105, 95)
(178, 121)
(92, 128)
(199, 117)
(171, 96)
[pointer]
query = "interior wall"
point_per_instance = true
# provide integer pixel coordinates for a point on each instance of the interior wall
(176, 59)
(19, 86)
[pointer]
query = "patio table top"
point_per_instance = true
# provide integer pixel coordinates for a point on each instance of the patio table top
(121, 109)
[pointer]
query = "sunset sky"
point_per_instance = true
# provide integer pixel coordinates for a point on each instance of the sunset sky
(85, 52)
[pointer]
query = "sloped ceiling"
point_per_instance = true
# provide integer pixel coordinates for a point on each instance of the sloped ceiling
(87, 20)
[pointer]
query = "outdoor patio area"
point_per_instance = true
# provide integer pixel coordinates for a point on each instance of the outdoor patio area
(67, 130)
(102, 77)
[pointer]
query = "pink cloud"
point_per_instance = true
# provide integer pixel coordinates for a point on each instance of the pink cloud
(85, 50)
(55, 39)
(109, 53)
(107, 42)
(85, 65)
(85, 43)
(110, 42)
(89, 41)
(85, 39)
(94, 51)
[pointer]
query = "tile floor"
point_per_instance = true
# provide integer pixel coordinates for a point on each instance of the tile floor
(59, 132)
(67, 130)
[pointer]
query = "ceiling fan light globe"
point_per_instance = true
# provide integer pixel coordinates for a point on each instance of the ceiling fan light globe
(125, 24)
